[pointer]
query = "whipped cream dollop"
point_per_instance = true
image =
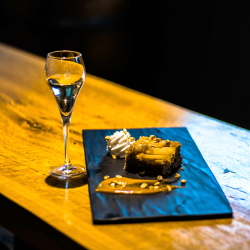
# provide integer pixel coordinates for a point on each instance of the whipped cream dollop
(118, 143)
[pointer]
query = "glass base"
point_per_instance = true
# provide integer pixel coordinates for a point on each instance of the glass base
(67, 171)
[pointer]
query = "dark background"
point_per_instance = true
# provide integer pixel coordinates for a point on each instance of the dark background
(193, 54)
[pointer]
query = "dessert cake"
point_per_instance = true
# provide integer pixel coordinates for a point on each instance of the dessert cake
(153, 156)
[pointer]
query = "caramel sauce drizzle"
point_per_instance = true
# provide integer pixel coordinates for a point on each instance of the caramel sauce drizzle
(124, 185)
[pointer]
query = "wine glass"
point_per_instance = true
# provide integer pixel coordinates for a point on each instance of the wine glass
(65, 75)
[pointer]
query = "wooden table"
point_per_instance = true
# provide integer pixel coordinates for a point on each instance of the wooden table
(50, 216)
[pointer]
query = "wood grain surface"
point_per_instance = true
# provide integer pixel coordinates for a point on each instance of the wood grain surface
(50, 216)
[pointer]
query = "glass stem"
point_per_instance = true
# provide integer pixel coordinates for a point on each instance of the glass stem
(66, 125)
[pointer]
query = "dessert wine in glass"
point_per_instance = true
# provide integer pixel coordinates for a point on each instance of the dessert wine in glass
(65, 75)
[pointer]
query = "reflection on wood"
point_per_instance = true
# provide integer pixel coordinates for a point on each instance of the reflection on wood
(32, 141)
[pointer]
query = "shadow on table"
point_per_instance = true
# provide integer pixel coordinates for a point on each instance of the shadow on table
(66, 183)
(28, 227)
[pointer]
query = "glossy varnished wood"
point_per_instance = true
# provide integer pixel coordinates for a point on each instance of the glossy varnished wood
(48, 215)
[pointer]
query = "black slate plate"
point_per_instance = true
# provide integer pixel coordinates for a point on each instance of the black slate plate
(202, 199)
